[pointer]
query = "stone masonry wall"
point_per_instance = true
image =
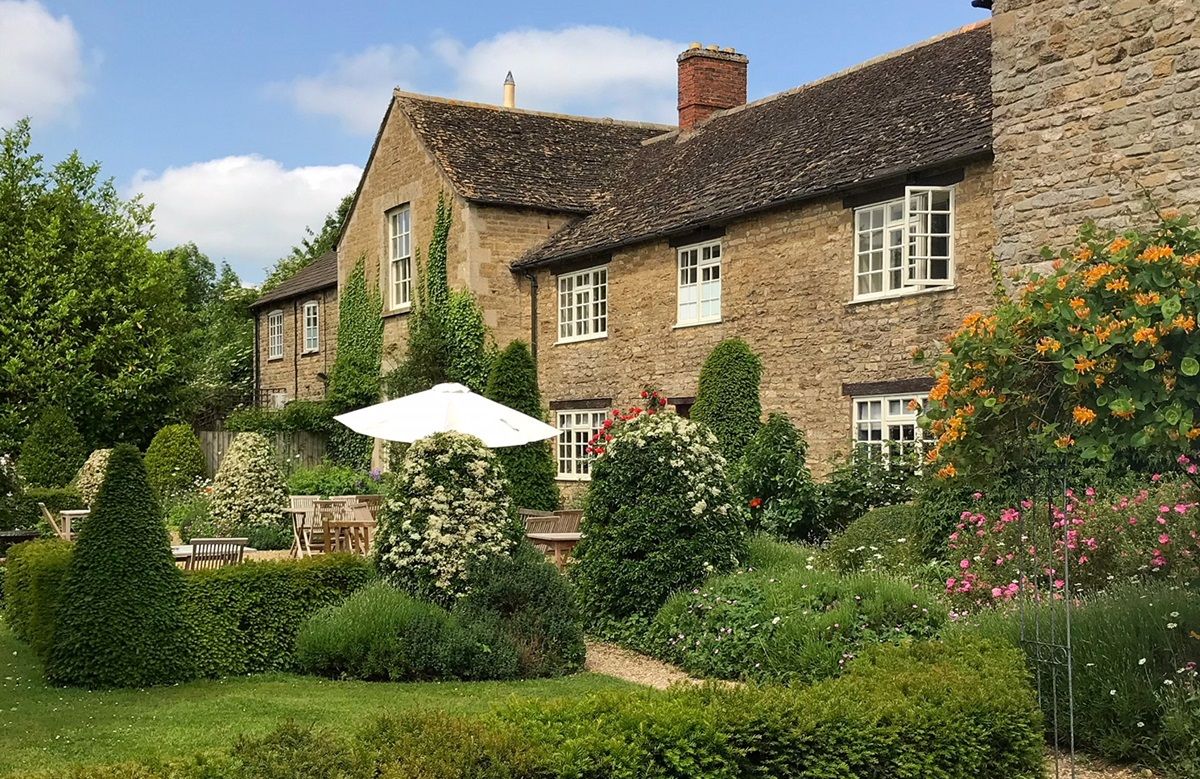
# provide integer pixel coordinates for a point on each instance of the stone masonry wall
(297, 372)
(1094, 101)
(787, 281)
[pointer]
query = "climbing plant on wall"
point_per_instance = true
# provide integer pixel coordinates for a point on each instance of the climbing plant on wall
(355, 381)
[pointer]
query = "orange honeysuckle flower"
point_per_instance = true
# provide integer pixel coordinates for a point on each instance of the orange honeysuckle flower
(1145, 335)
(1119, 284)
(1063, 441)
(1084, 415)
(1084, 253)
(1156, 253)
(1186, 323)
(1048, 344)
(1192, 260)
(1147, 298)
(1124, 413)
(1094, 274)
(947, 471)
(1099, 379)
(1193, 433)
(1084, 364)
(1118, 244)
(1063, 281)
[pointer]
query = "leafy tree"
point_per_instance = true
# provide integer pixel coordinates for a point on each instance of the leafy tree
(174, 460)
(90, 314)
(120, 624)
(355, 381)
(530, 469)
(53, 451)
(311, 246)
(727, 400)
(774, 481)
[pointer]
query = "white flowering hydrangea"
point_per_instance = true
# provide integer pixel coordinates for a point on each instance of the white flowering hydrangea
(447, 508)
(248, 490)
(88, 480)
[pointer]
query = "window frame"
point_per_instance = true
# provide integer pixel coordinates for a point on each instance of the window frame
(400, 288)
(910, 283)
(889, 419)
(702, 264)
(570, 438)
(273, 318)
(574, 303)
(313, 345)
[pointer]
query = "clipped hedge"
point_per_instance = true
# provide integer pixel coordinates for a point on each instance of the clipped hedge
(26, 515)
(53, 450)
(33, 582)
(894, 539)
(174, 460)
(727, 396)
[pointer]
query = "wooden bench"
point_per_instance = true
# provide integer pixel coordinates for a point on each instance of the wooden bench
(210, 553)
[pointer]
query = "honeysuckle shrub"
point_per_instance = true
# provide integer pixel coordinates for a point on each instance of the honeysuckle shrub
(1097, 358)
(661, 515)
(1149, 535)
(174, 461)
(1135, 655)
(52, 451)
(248, 490)
(447, 509)
(774, 482)
(91, 474)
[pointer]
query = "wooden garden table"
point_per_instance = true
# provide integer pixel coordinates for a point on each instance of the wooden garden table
(559, 544)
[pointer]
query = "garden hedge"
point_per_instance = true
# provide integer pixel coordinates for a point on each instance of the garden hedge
(889, 538)
(174, 460)
(22, 511)
(53, 450)
(727, 397)
(33, 582)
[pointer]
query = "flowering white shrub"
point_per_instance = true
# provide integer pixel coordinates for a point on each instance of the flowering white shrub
(88, 480)
(248, 490)
(447, 508)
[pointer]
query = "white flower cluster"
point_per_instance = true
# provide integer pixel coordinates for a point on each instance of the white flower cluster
(449, 508)
(248, 490)
(8, 476)
(91, 474)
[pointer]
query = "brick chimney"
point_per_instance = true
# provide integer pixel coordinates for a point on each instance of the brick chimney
(710, 80)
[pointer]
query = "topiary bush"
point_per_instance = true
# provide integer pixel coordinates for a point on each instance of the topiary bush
(33, 582)
(891, 539)
(661, 515)
(447, 509)
(774, 482)
(327, 480)
(53, 450)
(90, 476)
(174, 460)
(727, 398)
(530, 469)
(119, 623)
(248, 490)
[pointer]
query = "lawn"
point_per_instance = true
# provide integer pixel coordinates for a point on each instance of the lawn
(49, 727)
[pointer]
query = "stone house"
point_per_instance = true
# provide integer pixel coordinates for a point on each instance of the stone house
(295, 335)
(836, 227)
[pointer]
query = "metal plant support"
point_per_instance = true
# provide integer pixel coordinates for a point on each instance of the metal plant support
(1045, 613)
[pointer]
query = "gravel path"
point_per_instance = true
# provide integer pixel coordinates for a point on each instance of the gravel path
(1089, 768)
(612, 660)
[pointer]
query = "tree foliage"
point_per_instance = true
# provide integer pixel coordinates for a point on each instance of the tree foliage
(775, 484)
(174, 460)
(530, 469)
(355, 381)
(53, 451)
(727, 399)
(312, 245)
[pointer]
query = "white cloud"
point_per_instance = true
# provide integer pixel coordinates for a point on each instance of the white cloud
(41, 63)
(591, 70)
(247, 210)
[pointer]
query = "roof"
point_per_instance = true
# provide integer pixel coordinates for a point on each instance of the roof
(318, 274)
(916, 109)
(515, 157)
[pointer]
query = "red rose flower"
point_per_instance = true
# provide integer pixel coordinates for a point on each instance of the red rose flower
(755, 502)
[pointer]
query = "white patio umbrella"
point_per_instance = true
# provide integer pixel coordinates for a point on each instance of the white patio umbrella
(442, 409)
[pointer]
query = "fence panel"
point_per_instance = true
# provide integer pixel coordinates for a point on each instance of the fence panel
(293, 450)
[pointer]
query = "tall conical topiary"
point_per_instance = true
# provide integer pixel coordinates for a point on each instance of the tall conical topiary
(530, 468)
(174, 460)
(727, 400)
(119, 623)
(53, 451)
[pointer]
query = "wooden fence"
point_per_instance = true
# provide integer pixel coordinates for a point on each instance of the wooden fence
(294, 450)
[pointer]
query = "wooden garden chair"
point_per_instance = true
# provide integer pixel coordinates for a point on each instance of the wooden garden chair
(210, 553)
(302, 512)
(48, 515)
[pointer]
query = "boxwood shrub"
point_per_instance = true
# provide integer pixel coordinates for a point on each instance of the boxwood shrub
(33, 582)
(174, 460)
(53, 450)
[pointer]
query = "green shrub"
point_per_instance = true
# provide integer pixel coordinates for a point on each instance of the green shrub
(1135, 656)
(307, 416)
(174, 460)
(53, 450)
(119, 624)
(650, 529)
(91, 475)
(328, 480)
(788, 624)
(12, 496)
(380, 633)
(447, 509)
(862, 482)
(727, 401)
(890, 539)
(468, 343)
(245, 618)
(33, 582)
(188, 515)
(534, 608)
(248, 489)
(530, 469)
(774, 483)
(27, 515)
(764, 552)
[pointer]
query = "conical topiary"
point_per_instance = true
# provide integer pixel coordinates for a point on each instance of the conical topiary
(119, 624)
(174, 460)
(53, 450)
(727, 399)
(248, 490)
(530, 469)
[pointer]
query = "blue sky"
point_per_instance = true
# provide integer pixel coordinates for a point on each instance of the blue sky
(244, 121)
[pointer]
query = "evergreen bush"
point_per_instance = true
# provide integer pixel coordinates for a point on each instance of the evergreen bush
(727, 399)
(775, 484)
(447, 508)
(87, 482)
(248, 490)
(174, 461)
(661, 515)
(33, 582)
(53, 450)
(119, 623)
(864, 481)
(530, 469)
(12, 496)
(469, 349)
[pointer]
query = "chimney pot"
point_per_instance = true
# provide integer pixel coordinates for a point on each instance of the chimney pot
(693, 45)
(711, 47)
(711, 79)
(510, 91)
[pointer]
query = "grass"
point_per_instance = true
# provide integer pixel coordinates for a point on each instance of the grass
(47, 727)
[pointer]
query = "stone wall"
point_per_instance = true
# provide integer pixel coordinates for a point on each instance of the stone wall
(298, 374)
(787, 280)
(1094, 101)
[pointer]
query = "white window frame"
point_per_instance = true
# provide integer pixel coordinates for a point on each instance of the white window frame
(577, 427)
(583, 304)
(310, 314)
(702, 259)
(880, 414)
(893, 240)
(400, 260)
(275, 335)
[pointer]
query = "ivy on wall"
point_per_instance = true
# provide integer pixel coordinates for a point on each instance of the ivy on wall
(355, 380)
